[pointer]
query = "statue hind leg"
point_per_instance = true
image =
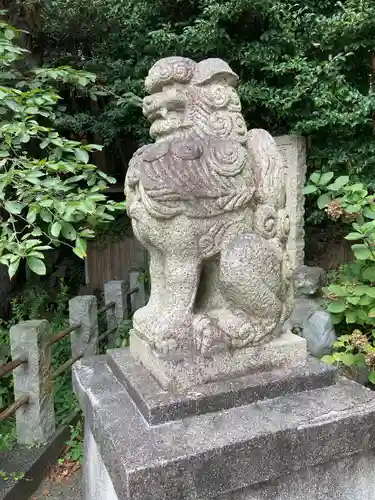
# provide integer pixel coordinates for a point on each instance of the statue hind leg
(250, 281)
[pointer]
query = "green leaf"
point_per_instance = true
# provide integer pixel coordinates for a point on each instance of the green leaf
(361, 252)
(338, 290)
(87, 233)
(353, 300)
(337, 306)
(14, 207)
(325, 178)
(36, 265)
(309, 189)
(31, 215)
(354, 236)
(371, 377)
(46, 215)
(314, 177)
(352, 209)
(361, 290)
(79, 252)
(350, 316)
(9, 34)
(32, 243)
(82, 244)
(339, 183)
(82, 155)
(68, 231)
(328, 359)
(369, 273)
(371, 313)
(371, 292)
(324, 200)
(13, 267)
(369, 212)
(365, 300)
(348, 359)
(55, 229)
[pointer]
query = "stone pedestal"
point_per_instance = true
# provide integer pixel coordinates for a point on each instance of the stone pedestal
(291, 433)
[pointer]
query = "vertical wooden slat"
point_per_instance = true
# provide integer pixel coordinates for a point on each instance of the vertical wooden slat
(113, 261)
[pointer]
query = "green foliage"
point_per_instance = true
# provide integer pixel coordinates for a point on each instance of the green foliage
(304, 65)
(50, 193)
(355, 352)
(15, 476)
(351, 295)
(74, 450)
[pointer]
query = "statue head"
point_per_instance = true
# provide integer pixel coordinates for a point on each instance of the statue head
(186, 96)
(199, 164)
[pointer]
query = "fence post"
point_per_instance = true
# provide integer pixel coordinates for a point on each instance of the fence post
(137, 299)
(83, 311)
(115, 291)
(35, 421)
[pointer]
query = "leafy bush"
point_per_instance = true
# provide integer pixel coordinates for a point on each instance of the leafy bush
(305, 66)
(49, 192)
(351, 294)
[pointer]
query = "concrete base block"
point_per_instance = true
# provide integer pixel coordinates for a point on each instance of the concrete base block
(178, 372)
(305, 442)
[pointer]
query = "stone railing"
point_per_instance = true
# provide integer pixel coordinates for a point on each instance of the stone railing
(31, 343)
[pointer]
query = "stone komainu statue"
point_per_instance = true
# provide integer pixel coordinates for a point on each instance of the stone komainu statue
(207, 199)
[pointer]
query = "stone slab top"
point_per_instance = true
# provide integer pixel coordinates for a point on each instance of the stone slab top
(205, 455)
(158, 405)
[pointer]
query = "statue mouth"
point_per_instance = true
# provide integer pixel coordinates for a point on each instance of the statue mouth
(160, 105)
(172, 122)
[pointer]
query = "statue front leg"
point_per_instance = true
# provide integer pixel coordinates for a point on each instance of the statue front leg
(143, 317)
(167, 319)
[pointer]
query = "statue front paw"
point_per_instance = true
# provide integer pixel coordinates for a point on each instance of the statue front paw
(166, 346)
(207, 334)
(166, 331)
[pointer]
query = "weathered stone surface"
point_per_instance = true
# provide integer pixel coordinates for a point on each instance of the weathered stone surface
(115, 291)
(158, 405)
(293, 152)
(308, 280)
(83, 311)
(94, 468)
(208, 201)
(188, 369)
(346, 479)
(308, 318)
(35, 420)
(219, 453)
(137, 299)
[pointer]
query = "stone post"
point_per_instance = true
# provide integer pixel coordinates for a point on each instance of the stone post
(293, 151)
(115, 291)
(35, 421)
(137, 299)
(83, 311)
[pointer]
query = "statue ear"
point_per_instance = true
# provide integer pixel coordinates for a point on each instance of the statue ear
(268, 169)
(213, 70)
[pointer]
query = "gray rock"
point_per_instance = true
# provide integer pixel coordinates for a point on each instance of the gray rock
(308, 318)
(308, 280)
(319, 333)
